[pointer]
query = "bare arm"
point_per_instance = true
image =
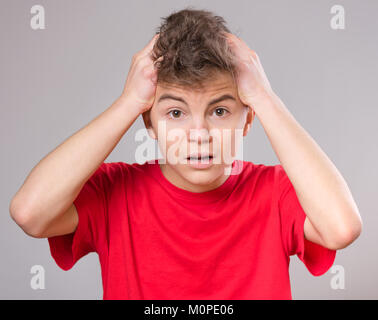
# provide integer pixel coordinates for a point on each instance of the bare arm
(54, 183)
(332, 216)
(43, 206)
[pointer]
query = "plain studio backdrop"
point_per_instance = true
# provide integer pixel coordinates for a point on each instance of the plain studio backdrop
(54, 81)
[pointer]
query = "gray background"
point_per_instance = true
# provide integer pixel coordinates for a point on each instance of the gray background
(54, 81)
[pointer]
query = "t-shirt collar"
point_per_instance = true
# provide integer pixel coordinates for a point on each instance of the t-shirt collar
(213, 195)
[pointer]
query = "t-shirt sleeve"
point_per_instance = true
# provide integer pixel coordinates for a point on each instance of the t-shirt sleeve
(92, 204)
(317, 259)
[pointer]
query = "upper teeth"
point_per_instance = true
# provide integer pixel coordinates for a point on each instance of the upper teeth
(198, 157)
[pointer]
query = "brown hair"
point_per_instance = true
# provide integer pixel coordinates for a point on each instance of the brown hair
(194, 48)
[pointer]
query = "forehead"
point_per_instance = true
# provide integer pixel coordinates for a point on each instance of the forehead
(218, 84)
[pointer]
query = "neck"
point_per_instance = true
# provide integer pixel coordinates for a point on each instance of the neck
(182, 183)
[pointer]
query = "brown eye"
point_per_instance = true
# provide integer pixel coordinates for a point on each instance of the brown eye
(175, 113)
(220, 112)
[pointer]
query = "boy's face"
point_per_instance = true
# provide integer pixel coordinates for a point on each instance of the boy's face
(191, 123)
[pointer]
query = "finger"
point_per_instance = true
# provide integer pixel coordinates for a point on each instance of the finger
(238, 42)
(147, 49)
(232, 38)
(225, 34)
(228, 37)
(158, 60)
(151, 72)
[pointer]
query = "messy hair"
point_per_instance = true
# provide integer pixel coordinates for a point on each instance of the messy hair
(194, 48)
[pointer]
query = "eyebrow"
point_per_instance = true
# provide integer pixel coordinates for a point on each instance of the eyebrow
(167, 96)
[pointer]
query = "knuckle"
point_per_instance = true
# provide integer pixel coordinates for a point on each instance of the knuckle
(136, 57)
(146, 71)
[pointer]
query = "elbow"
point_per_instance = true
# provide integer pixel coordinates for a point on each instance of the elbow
(346, 236)
(25, 220)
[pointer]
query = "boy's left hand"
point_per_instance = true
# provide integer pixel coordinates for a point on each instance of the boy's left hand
(252, 82)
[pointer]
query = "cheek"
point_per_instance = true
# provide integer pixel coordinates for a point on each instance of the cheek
(241, 118)
(172, 142)
(229, 144)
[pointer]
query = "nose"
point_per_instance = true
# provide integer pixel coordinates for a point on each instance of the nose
(199, 131)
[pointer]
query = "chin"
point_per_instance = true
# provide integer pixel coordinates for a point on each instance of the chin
(202, 177)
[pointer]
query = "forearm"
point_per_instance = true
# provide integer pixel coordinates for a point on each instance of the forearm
(322, 191)
(54, 183)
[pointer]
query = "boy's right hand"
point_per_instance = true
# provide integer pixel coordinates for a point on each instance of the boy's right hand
(141, 80)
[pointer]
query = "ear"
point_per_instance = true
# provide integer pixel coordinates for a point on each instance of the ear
(148, 124)
(248, 122)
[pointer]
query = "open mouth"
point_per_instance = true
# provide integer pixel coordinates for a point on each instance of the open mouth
(200, 158)
(200, 161)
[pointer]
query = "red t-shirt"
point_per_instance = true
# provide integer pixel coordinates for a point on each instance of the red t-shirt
(158, 241)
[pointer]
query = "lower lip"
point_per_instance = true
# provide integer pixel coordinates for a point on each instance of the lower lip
(198, 164)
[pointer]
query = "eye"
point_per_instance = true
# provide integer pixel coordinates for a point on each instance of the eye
(220, 112)
(175, 113)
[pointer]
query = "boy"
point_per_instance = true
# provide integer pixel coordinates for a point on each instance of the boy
(196, 225)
